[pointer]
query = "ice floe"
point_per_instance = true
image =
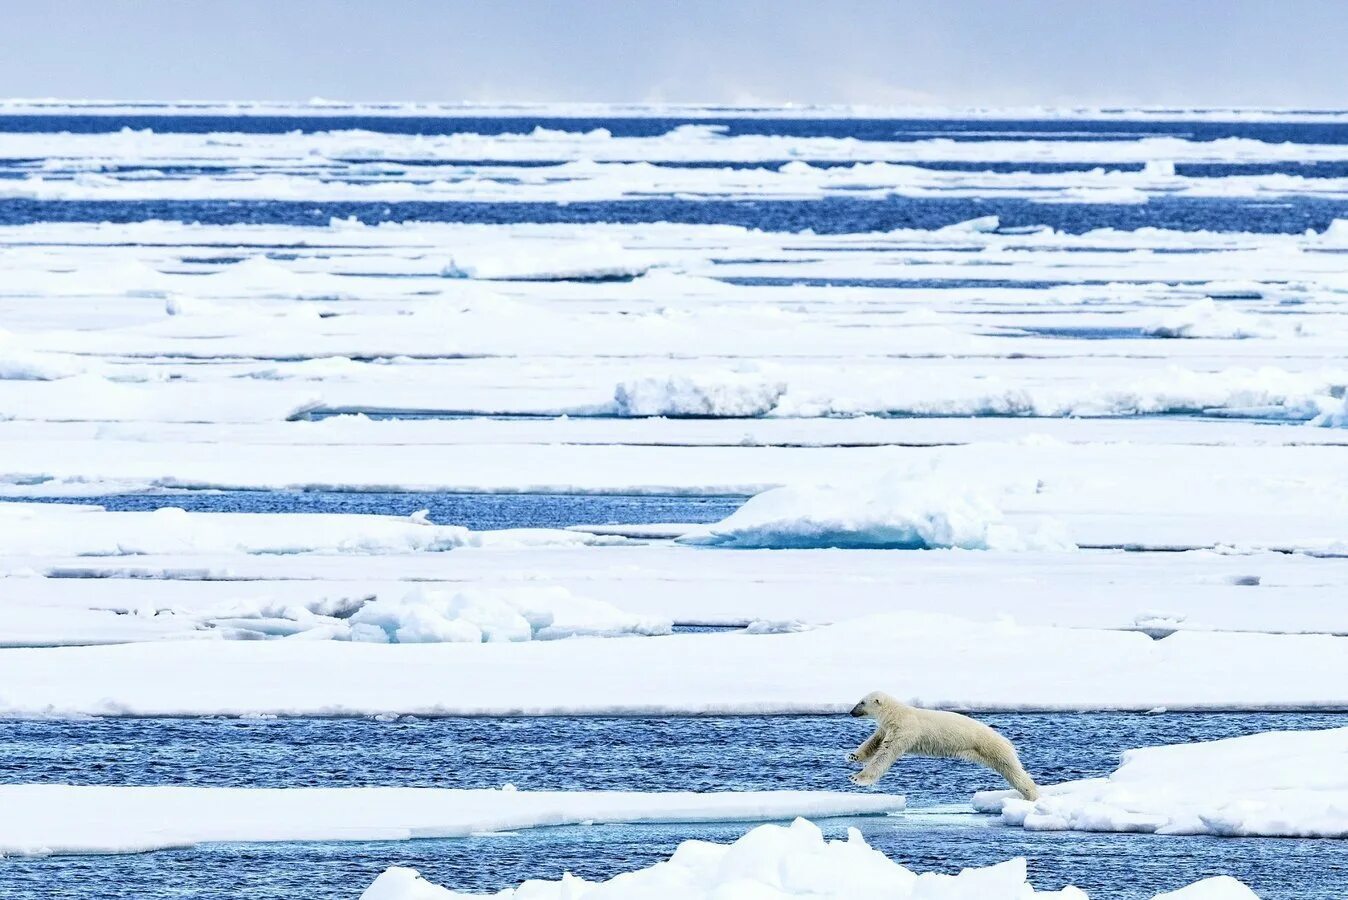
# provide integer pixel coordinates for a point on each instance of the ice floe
(1275, 784)
(50, 819)
(926, 659)
(895, 512)
(85, 600)
(1207, 318)
(90, 531)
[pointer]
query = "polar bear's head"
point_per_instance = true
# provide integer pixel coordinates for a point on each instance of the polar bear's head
(873, 705)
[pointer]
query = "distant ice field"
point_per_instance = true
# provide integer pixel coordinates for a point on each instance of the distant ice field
(1280, 172)
(1298, 126)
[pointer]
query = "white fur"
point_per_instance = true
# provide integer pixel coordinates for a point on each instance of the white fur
(903, 729)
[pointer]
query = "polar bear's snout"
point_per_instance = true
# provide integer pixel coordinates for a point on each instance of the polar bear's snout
(859, 710)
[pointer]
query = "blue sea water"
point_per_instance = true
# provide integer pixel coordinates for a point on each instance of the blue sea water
(695, 753)
(827, 215)
(644, 126)
(721, 753)
(476, 511)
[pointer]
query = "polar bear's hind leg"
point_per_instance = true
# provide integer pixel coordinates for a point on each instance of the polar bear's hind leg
(1009, 767)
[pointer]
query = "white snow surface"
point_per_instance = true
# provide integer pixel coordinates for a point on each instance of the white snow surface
(46, 819)
(1274, 784)
(926, 659)
(78, 530)
(775, 862)
(476, 616)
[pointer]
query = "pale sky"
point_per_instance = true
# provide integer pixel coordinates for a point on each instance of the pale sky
(959, 52)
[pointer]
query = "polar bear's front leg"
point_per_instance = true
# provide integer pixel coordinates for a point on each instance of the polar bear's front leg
(867, 748)
(892, 746)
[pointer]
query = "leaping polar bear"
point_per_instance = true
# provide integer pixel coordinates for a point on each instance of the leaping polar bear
(928, 732)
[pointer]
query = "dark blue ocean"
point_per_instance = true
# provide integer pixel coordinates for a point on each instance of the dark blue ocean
(829, 215)
(937, 833)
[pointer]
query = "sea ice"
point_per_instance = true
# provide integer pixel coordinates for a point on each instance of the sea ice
(43, 528)
(521, 614)
(925, 659)
(43, 819)
(1275, 784)
(1207, 318)
(897, 512)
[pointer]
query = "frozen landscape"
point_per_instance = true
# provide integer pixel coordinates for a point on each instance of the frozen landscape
(544, 483)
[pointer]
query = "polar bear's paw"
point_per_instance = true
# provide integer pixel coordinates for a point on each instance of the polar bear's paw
(852, 756)
(861, 779)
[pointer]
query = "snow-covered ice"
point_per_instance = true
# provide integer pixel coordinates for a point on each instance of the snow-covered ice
(1275, 784)
(476, 616)
(43, 819)
(894, 512)
(924, 658)
(966, 385)
(66, 529)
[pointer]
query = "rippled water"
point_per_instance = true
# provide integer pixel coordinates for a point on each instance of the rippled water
(827, 215)
(477, 511)
(577, 753)
(736, 753)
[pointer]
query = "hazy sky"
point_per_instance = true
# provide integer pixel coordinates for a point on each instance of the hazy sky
(964, 52)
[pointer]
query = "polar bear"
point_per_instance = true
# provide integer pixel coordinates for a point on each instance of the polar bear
(928, 732)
